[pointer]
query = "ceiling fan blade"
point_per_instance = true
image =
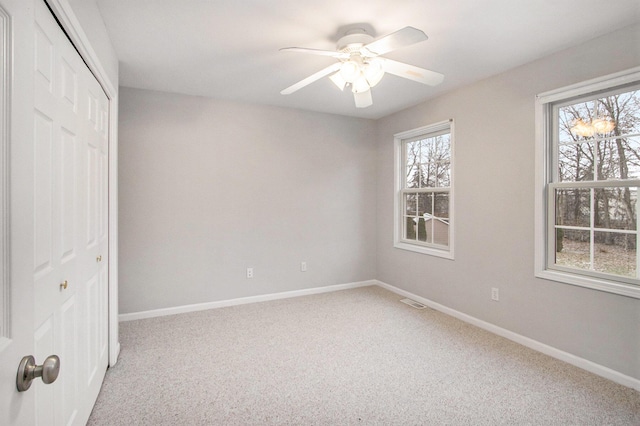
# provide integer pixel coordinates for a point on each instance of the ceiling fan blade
(314, 77)
(411, 72)
(401, 38)
(331, 53)
(363, 99)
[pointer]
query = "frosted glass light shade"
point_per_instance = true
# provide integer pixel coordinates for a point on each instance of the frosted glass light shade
(360, 84)
(373, 72)
(349, 70)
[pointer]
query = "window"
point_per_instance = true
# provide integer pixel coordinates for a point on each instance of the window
(424, 190)
(590, 166)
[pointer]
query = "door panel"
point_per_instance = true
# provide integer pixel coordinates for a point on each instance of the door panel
(43, 239)
(43, 59)
(69, 196)
(68, 350)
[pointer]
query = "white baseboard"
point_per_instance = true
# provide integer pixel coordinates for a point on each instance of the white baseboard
(590, 366)
(241, 301)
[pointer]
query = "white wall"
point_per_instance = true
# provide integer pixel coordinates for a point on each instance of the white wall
(209, 188)
(494, 201)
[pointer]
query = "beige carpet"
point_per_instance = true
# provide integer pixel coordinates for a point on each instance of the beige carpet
(344, 358)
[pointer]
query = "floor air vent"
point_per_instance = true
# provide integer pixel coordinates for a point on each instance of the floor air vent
(413, 303)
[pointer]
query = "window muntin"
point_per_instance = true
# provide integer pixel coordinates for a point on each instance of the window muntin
(593, 185)
(423, 204)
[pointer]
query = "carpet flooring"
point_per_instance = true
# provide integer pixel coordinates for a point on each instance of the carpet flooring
(352, 357)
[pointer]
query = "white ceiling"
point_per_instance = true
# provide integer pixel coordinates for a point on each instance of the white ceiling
(229, 49)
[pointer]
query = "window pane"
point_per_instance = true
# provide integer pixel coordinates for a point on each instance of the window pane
(412, 150)
(610, 122)
(437, 148)
(444, 147)
(575, 162)
(616, 208)
(632, 151)
(413, 177)
(422, 231)
(628, 114)
(443, 174)
(439, 231)
(428, 175)
(410, 228)
(621, 158)
(573, 248)
(573, 207)
(410, 201)
(441, 206)
(426, 150)
(425, 204)
(565, 135)
(616, 115)
(438, 175)
(615, 253)
(607, 160)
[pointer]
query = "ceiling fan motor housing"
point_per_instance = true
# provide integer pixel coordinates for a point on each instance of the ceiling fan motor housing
(353, 42)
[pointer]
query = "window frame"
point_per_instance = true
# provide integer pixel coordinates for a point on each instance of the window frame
(545, 161)
(399, 190)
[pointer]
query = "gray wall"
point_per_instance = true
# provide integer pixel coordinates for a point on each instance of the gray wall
(494, 212)
(209, 188)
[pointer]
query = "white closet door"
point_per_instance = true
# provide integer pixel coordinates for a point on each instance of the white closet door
(70, 235)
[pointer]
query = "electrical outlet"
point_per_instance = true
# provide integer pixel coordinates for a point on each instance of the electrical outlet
(303, 266)
(249, 272)
(495, 294)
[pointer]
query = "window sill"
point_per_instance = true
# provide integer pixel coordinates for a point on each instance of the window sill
(424, 250)
(628, 290)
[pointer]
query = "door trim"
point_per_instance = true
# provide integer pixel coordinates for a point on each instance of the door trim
(69, 22)
(5, 190)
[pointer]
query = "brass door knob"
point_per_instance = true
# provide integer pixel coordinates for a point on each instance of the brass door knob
(99, 258)
(63, 285)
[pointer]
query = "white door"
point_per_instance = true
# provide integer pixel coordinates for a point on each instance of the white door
(16, 136)
(62, 208)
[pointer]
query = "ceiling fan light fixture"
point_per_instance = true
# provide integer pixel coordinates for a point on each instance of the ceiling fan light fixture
(350, 70)
(361, 67)
(373, 72)
(338, 80)
(360, 84)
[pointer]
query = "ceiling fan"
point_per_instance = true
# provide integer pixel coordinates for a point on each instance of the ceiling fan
(360, 65)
